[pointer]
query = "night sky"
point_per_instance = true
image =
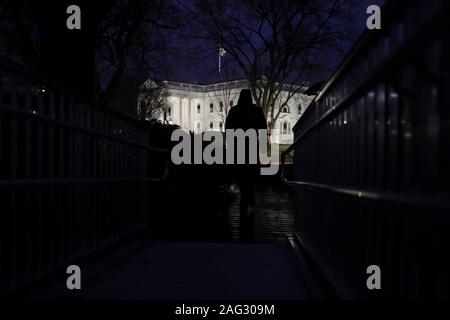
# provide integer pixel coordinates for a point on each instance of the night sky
(204, 69)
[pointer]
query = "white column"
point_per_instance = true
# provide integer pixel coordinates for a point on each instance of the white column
(180, 112)
(205, 107)
(175, 107)
(190, 114)
(186, 113)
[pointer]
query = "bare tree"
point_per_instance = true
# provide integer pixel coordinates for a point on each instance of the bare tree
(34, 33)
(125, 97)
(225, 93)
(153, 101)
(276, 44)
(135, 36)
(18, 32)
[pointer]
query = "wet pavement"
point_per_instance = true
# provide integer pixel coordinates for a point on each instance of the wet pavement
(219, 218)
(193, 271)
(203, 250)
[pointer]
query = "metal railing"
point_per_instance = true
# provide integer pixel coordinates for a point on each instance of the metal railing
(371, 157)
(74, 176)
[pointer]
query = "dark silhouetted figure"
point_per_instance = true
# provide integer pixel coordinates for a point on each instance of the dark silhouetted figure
(246, 115)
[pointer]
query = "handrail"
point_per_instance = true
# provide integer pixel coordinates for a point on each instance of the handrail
(55, 122)
(385, 197)
(369, 174)
(388, 9)
(345, 103)
(29, 74)
(397, 55)
(68, 163)
(417, 200)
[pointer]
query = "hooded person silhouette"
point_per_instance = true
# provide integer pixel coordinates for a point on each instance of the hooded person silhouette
(246, 115)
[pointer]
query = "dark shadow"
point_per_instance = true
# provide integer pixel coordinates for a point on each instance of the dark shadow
(247, 224)
(246, 116)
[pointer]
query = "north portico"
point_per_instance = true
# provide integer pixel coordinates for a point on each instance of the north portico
(199, 108)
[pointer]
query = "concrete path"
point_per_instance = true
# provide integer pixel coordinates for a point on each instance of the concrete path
(194, 271)
(203, 251)
(194, 220)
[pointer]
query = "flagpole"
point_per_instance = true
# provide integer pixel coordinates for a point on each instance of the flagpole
(222, 53)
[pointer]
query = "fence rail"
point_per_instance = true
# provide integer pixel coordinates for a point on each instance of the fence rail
(371, 157)
(74, 176)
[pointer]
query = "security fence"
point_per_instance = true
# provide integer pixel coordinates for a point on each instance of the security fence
(371, 160)
(74, 176)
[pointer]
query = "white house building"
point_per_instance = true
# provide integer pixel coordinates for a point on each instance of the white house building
(200, 108)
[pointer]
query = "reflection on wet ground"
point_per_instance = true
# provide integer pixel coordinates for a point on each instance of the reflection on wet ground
(215, 216)
(203, 249)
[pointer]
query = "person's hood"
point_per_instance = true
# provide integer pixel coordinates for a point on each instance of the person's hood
(245, 98)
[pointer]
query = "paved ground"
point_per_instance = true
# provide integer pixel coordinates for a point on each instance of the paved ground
(219, 220)
(194, 271)
(204, 251)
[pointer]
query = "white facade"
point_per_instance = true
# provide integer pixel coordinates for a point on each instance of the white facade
(200, 108)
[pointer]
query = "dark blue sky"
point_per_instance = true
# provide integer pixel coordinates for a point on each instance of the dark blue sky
(204, 69)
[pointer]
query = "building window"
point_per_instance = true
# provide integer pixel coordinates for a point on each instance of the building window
(285, 110)
(211, 108)
(221, 125)
(299, 109)
(211, 125)
(199, 109)
(231, 103)
(221, 106)
(284, 128)
(169, 111)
